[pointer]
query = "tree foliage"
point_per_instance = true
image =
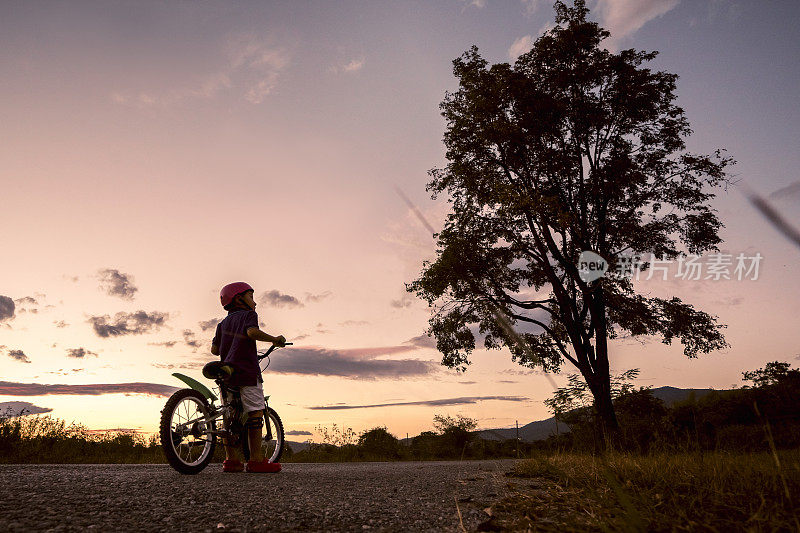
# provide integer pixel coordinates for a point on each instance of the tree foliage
(378, 442)
(773, 373)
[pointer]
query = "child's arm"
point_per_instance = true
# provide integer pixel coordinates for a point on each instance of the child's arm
(258, 335)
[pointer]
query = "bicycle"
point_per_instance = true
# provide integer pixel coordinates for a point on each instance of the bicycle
(188, 429)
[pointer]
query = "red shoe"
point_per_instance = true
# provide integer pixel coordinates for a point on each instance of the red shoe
(263, 467)
(232, 465)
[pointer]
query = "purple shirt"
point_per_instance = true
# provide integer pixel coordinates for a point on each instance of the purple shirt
(236, 348)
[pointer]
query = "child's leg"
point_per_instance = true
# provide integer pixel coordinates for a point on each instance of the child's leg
(230, 451)
(254, 424)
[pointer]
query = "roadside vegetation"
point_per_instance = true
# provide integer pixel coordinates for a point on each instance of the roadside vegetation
(713, 491)
(46, 439)
(728, 461)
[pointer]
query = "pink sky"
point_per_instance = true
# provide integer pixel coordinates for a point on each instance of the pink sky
(190, 145)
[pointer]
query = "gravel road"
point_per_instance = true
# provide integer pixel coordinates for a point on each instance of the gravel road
(412, 496)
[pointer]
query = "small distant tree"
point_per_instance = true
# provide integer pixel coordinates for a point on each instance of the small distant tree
(445, 423)
(773, 373)
(379, 443)
(455, 432)
(423, 446)
(572, 148)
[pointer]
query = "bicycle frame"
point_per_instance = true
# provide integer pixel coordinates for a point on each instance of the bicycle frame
(217, 412)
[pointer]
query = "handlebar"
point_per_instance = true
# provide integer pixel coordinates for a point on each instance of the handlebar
(271, 348)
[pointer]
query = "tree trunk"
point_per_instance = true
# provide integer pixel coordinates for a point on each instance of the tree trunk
(600, 385)
(606, 418)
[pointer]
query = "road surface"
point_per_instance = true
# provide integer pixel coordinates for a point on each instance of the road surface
(409, 496)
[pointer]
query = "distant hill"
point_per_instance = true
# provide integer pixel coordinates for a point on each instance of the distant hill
(541, 429)
(297, 446)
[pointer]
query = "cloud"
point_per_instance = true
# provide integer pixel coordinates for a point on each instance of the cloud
(116, 283)
(168, 344)
(60, 324)
(372, 353)
(184, 366)
(789, 193)
(521, 372)
(17, 355)
(624, 17)
(63, 372)
(354, 65)
(128, 323)
(405, 301)
(27, 304)
(531, 5)
(480, 4)
(729, 301)
(275, 298)
(7, 308)
(258, 65)
(249, 69)
(189, 339)
(211, 323)
(422, 341)
(507, 381)
(80, 353)
(467, 382)
(464, 400)
(21, 409)
(520, 46)
(354, 323)
(297, 432)
(354, 363)
(26, 301)
(314, 298)
(11, 388)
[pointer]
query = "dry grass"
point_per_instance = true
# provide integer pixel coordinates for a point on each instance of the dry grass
(663, 492)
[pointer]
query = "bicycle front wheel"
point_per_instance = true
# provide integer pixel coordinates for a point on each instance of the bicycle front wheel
(272, 438)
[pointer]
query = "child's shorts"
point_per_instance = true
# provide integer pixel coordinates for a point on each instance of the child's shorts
(252, 397)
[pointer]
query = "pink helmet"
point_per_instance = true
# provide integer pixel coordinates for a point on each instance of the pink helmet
(231, 290)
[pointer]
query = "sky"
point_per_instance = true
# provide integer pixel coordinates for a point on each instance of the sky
(154, 151)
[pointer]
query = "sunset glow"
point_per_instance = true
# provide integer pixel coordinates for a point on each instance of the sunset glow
(154, 152)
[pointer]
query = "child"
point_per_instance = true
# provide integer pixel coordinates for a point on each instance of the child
(235, 341)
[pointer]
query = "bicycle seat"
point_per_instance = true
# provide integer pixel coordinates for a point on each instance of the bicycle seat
(217, 370)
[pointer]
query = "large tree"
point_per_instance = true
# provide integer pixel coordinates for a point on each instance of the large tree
(571, 148)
